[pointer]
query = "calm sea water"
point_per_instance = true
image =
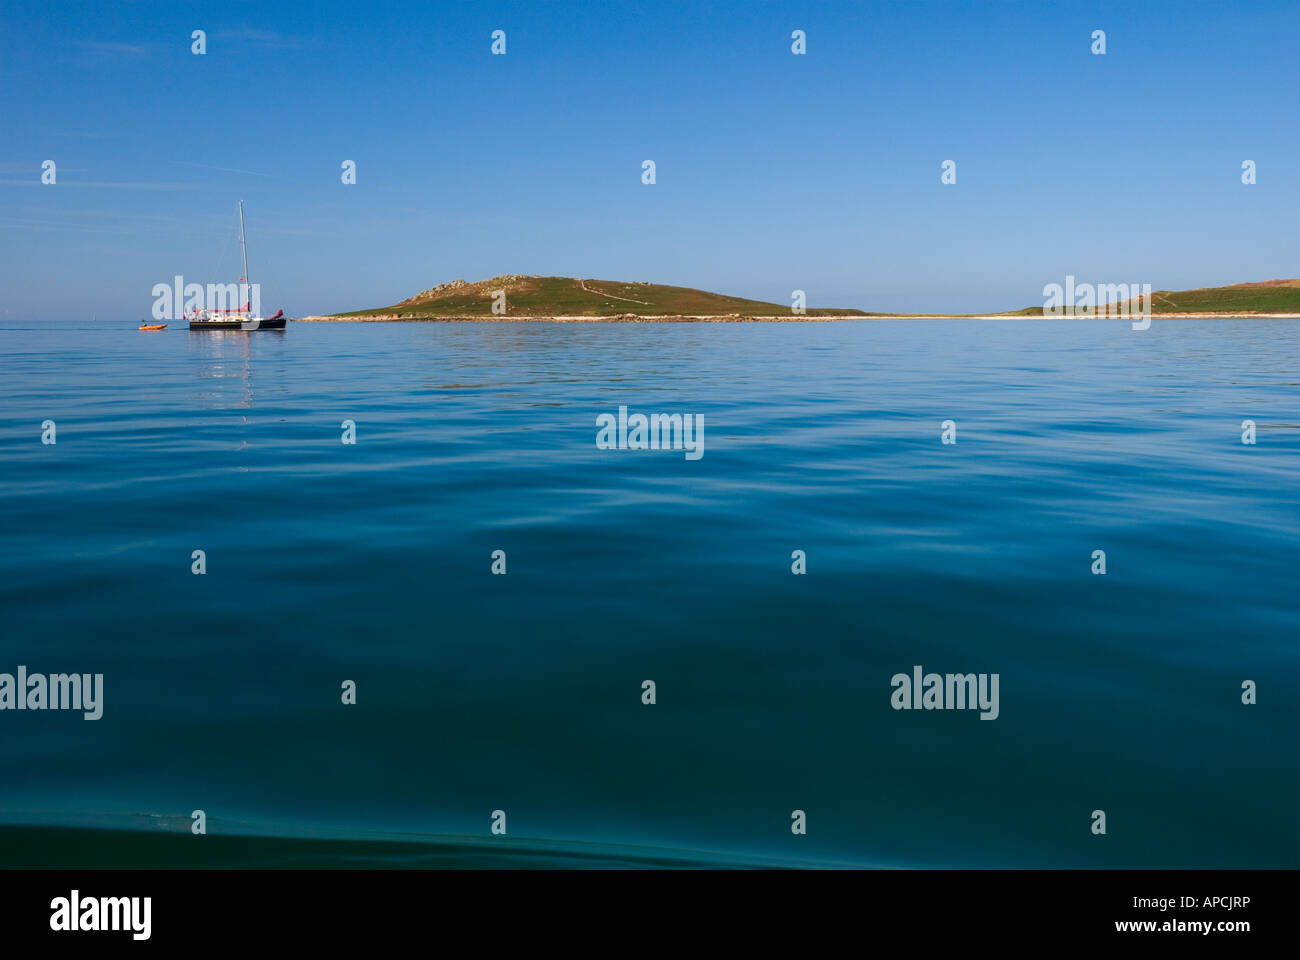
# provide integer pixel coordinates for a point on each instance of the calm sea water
(371, 563)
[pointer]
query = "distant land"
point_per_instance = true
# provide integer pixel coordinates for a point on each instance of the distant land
(1270, 297)
(538, 297)
(577, 300)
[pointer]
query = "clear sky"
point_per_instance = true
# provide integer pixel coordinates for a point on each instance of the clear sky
(775, 172)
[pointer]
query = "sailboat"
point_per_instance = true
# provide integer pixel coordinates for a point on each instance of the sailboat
(241, 318)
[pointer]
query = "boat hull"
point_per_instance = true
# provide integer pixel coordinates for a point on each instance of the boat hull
(262, 323)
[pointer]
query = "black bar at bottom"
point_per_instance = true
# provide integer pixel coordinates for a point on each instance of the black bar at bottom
(615, 909)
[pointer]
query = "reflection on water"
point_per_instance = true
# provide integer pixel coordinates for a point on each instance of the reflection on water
(228, 354)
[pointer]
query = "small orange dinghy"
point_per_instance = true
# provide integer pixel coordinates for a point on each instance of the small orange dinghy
(153, 326)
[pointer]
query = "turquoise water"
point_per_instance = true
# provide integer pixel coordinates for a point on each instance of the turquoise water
(371, 562)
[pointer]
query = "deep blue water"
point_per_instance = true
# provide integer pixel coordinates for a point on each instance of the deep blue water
(371, 562)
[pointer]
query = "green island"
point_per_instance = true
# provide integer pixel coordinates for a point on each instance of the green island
(1269, 297)
(524, 297)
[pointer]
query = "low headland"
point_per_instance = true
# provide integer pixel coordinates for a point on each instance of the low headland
(575, 300)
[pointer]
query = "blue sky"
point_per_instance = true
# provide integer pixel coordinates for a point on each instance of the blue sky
(775, 172)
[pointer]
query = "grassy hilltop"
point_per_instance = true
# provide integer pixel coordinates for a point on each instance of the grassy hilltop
(528, 296)
(1267, 296)
(531, 296)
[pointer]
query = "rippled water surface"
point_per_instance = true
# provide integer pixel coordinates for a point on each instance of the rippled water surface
(371, 562)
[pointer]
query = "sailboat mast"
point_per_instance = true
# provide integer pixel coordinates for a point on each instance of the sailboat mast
(244, 247)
